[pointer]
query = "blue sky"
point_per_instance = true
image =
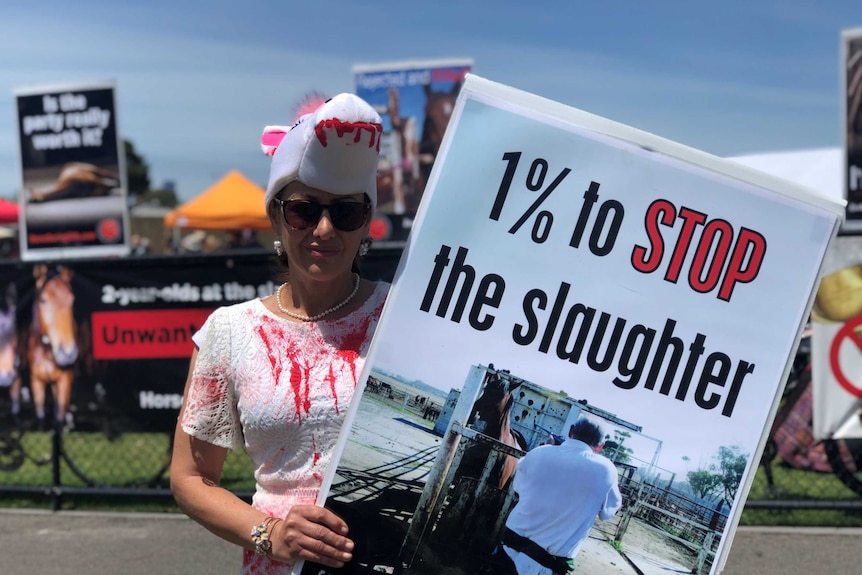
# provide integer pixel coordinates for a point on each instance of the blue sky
(197, 80)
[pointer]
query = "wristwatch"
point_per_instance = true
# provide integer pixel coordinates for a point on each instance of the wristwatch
(260, 536)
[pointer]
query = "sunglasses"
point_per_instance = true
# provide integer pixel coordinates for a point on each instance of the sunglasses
(304, 214)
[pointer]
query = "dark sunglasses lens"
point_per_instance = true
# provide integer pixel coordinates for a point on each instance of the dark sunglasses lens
(348, 216)
(301, 215)
(345, 216)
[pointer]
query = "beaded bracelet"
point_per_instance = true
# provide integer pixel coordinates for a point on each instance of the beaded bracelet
(260, 536)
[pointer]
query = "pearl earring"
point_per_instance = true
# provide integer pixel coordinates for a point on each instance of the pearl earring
(365, 246)
(279, 248)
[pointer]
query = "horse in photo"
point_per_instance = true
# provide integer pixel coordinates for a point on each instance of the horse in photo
(480, 497)
(490, 416)
(438, 109)
(52, 348)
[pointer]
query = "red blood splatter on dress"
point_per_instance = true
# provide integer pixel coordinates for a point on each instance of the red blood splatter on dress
(331, 380)
(212, 390)
(316, 453)
(296, 385)
(269, 327)
(299, 380)
(352, 343)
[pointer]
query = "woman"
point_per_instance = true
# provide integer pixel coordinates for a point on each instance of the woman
(275, 375)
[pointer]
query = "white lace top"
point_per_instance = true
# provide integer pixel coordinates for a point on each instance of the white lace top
(280, 390)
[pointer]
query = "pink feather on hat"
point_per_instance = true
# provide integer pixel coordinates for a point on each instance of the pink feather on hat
(309, 104)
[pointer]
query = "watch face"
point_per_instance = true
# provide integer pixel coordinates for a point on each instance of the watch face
(266, 546)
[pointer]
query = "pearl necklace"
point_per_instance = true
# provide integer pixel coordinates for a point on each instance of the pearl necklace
(324, 313)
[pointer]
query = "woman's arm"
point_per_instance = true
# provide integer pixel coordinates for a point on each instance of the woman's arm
(308, 532)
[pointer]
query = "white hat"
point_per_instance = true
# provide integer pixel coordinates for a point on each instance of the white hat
(334, 149)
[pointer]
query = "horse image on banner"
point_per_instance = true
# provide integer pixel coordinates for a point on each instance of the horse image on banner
(52, 347)
(438, 109)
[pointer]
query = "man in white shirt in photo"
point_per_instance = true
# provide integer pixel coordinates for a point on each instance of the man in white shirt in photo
(561, 490)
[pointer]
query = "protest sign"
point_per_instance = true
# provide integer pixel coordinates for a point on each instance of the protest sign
(837, 313)
(851, 64)
(836, 343)
(415, 100)
(562, 266)
(73, 193)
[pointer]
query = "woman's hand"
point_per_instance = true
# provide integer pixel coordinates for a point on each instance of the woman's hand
(312, 533)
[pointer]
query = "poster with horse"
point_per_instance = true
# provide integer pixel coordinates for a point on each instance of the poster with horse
(415, 100)
(568, 273)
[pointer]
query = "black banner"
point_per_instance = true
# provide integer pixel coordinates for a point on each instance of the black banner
(104, 345)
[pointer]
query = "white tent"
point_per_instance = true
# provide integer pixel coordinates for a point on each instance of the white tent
(819, 169)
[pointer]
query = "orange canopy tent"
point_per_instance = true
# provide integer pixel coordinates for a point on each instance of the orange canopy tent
(232, 203)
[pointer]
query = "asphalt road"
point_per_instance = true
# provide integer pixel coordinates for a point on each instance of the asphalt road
(75, 542)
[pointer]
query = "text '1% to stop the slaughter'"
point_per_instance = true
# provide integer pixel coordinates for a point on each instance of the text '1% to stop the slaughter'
(611, 212)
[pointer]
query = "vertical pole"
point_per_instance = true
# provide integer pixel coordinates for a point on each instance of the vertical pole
(630, 512)
(444, 467)
(704, 551)
(56, 450)
(434, 486)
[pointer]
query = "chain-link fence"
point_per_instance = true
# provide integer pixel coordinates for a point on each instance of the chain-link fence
(56, 464)
(799, 481)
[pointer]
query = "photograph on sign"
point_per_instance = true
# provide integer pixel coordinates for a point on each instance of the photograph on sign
(852, 104)
(72, 191)
(415, 99)
(581, 351)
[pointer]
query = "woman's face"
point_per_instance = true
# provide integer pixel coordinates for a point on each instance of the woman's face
(321, 251)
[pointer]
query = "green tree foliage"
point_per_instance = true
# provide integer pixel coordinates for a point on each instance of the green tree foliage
(722, 477)
(731, 465)
(138, 180)
(615, 450)
(137, 171)
(704, 483)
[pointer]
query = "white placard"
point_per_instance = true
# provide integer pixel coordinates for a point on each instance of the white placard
(614, 275)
